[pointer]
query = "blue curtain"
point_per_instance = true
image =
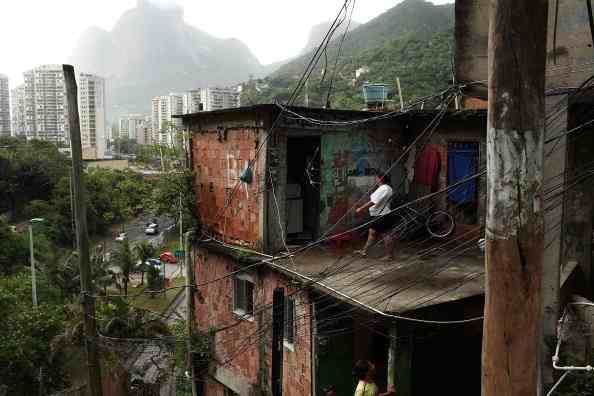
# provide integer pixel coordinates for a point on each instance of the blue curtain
(462, 163)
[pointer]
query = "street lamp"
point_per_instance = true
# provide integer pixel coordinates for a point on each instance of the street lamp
(32, 222)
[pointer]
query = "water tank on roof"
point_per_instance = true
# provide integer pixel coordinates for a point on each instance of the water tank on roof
(375, 93)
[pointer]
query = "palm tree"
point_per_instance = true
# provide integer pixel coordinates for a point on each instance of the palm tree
(144, 251)
(64, 272)
(102, 274)
(124, 261)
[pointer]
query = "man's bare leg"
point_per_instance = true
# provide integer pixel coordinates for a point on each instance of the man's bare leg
(389, 247)
(371, 238)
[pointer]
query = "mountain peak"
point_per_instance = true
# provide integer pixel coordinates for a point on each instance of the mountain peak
(158, 9)
(318, 32)
(152, 51)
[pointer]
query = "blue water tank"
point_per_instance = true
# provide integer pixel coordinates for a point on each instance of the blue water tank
(375, 93)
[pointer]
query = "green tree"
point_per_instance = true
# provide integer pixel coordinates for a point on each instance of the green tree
(102, 275)
(123, 259)
(28, 171)
(165, 198)
(126, 145)
(144, 251)
(117, 318)
(146, 154)
(154, 279)
(26, 336)
(14, 249)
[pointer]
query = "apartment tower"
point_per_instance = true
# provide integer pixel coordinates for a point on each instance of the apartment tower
(91, 110)
(4, 107)
(163, 125)
(40, 109)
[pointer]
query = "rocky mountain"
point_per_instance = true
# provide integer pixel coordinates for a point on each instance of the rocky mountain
(412, 41)
(318, 32)
(151, 51)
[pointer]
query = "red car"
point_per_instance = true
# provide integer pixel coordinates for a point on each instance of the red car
(168, 257)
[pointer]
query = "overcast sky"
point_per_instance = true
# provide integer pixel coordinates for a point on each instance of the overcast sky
(35, 32)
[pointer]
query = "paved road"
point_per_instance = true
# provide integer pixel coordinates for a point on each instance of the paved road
(135, 232)
(177, 309)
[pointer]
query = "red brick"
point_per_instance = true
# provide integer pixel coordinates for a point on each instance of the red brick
(216, 312)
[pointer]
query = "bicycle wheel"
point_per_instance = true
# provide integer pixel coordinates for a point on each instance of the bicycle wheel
(440, 224)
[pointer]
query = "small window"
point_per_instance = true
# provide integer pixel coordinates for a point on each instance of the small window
(290, 320)
(243, 296)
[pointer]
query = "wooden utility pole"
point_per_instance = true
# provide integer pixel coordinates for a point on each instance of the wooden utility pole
(82, 238)
(515, 221)
(190, 309)
(278, 321)
(392, 356)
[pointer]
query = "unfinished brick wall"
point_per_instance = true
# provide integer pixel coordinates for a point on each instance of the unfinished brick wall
(219, 155)
(244, 347)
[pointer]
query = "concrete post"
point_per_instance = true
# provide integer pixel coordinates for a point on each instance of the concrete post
(33, 276)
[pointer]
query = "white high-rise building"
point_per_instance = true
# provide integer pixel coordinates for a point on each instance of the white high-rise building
(17, 105)
(4, 107)
(144, 133)
(40, 109)
(45, 104)
(191, 102)
(219, 98)
(130, 124)
(91, 110)
(163, 125)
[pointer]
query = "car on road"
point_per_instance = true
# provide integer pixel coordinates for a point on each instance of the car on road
(122, 236)
(152, 229)
(168, 257)
(153, 262)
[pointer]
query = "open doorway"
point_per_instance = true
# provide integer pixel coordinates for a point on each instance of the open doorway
(303, 188)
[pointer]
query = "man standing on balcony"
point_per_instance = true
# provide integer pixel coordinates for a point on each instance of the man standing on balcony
(381, 219)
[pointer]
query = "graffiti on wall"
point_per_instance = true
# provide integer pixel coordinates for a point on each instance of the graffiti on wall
(349, 163)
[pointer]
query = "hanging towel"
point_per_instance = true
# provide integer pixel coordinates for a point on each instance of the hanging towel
(427, 166)
(462, 163)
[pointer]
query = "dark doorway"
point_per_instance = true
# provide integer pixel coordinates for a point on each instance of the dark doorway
(453, 357)
(303, 188)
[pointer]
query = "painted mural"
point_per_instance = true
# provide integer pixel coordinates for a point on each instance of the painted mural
(349, 163)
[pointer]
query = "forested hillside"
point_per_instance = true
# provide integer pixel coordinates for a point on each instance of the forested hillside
(412, 41)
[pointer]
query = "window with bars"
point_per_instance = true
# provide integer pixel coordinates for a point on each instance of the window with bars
(243, 296)
(290, 320)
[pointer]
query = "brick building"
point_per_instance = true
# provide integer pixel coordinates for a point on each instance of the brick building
(305, 178)
(339, 308)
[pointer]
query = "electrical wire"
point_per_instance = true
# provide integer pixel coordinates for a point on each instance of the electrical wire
(471, 275)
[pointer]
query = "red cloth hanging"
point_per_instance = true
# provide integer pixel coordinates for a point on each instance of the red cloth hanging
(427, 166)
